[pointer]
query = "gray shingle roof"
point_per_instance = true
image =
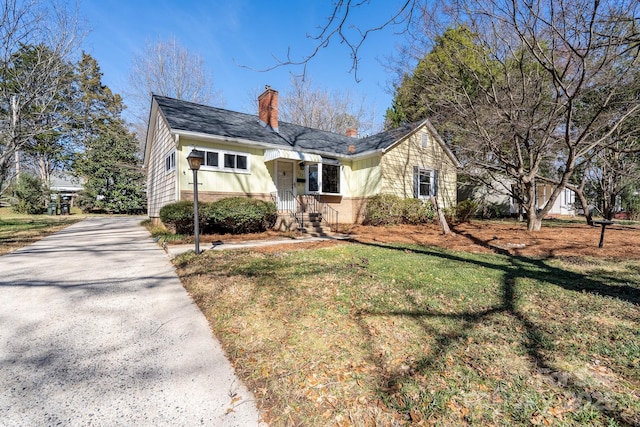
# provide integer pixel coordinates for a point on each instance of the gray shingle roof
(190, 117)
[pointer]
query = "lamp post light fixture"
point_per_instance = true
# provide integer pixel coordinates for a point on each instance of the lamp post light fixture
(195, 159)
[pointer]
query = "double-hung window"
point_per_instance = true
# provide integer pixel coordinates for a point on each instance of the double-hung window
(425, 183)
(324, 177)
(170, 162)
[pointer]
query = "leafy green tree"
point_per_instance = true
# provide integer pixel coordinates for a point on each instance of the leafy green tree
(109, 160)
(48, 141)
(456, 62)
(115, 181)
(30, 194)
(96, 107)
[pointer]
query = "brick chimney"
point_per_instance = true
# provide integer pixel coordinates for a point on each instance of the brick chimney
(352, 132)
(268, 108)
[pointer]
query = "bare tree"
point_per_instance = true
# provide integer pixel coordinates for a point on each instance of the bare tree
(37, 40)
(340, 25)
(167, 68)
(545, 94)
(542, 60)
(318, 108)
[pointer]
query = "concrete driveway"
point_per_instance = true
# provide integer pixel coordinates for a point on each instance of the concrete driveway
(96, 329)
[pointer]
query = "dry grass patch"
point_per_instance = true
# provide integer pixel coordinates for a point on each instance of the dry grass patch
(17, 231)
(377, 334)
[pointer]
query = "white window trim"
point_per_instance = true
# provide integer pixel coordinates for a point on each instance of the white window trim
(306, 176)
(433, 190)
(171, 157)
(221, 154)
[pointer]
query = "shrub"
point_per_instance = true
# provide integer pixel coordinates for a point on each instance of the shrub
(383, 209)
(238, 215)
(465, 210)
(30, 195)
(632, 207)
(416, 211)
(450, 215)
(179, 216)
(492, 210)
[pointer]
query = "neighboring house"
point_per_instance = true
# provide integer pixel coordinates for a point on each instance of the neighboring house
(297, 167)
(492, 198)
(65, 186)
(564, 204)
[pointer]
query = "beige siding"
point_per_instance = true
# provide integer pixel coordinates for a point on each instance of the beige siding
(362, 177)
(161, 186)
(397, 166)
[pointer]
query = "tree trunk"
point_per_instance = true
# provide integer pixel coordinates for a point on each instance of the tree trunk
(585, 205)
(443, 220)
(534, 223)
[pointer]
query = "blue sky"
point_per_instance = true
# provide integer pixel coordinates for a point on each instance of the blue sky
(234, 33)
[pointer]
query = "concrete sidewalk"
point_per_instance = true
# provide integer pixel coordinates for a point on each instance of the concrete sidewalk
(96, 329)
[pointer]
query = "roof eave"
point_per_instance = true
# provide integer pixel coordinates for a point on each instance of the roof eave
(150, 133)
(207, 137)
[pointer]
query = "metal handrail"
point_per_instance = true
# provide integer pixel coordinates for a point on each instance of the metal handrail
(310, 203)
(292, 211)
(328, 214)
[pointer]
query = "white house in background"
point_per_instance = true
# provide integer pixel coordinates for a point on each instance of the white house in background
(565, 204)
(66, 185)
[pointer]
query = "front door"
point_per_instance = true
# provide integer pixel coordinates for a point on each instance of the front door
(285, 184)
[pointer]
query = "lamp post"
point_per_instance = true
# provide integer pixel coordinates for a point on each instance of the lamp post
(195, 159)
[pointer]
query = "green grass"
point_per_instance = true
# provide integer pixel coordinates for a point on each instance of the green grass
(404, 335)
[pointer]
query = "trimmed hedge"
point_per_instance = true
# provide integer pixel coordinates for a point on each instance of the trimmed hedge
(179, 215)
(235, 215)
(239, 215)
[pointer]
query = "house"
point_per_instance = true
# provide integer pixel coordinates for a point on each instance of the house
(300, 168)
(564, 204)
(493, 199)
(65, 186)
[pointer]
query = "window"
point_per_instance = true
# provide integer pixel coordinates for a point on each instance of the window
(425, 140)
(226, 161)
(324, 177)
(235, 161)
(170, 162)
(312, 179)
(425, 183)
(211, 159)
(331, 179)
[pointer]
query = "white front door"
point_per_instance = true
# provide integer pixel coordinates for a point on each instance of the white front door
(286, 185)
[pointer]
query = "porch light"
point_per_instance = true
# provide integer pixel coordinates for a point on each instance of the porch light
(195, 159)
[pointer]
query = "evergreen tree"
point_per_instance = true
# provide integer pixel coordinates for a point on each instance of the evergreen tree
(109, 161)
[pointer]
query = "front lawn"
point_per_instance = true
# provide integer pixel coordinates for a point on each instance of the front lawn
(18, 230)
(397, 334)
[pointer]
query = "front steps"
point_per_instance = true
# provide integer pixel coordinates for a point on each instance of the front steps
(312, 224)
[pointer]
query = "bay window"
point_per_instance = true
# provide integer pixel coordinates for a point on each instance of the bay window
(323, 178)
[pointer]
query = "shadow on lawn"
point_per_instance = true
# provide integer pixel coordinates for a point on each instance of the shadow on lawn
(536, 343)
